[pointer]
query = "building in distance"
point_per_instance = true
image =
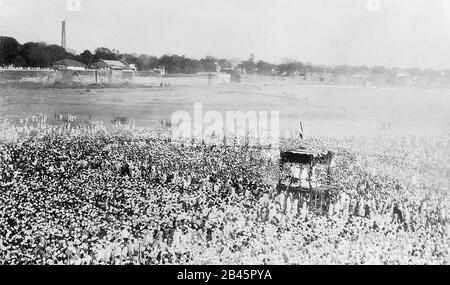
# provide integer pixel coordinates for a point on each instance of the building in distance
(69, 64)
(113, 65)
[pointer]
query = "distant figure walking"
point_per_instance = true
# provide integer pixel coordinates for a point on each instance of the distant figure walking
(301, 130)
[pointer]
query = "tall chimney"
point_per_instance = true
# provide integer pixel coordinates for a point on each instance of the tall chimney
(63, 35)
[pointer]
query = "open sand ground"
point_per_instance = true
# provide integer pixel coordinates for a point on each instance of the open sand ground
(333, 111)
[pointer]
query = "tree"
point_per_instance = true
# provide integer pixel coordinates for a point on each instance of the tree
(19, 61)
(43, 55)
(431, 73)
(171, 63)
(147, 62)
(208, 64)
(249, 65)
(190, 66)
(224, 64)
(290, 68)
(265, 68)
(106, 54)
(39, 54)
(10, 49)
(379, 70)
(56, 53)
(86, 57)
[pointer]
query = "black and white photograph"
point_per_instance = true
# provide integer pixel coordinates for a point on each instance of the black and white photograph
(225, 133)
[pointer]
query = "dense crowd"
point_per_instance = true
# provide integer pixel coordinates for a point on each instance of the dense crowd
(24, 68)
(112, 195)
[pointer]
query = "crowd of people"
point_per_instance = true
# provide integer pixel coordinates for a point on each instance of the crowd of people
(114, 195)
(24, 68)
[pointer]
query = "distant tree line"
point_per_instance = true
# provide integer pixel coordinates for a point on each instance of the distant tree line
(43, 55)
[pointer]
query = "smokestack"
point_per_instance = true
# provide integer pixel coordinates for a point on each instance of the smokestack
(63, 35)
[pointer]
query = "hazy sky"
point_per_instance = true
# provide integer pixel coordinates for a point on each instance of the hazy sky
(403, 33)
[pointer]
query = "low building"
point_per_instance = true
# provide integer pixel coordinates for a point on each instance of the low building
(112, 65)
(69, 64)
